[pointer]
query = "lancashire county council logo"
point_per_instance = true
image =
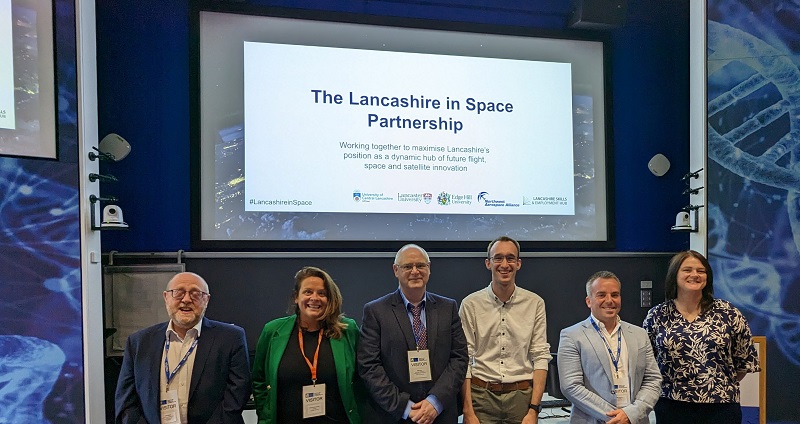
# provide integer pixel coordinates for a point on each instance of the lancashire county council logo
(444, 198)
(482, 196)
(356, 195)
(427, 197)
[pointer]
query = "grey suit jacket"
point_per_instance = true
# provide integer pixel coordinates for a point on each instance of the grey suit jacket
(585, 373)
(386, 337)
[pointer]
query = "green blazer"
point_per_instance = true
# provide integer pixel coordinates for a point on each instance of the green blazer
(269, 351)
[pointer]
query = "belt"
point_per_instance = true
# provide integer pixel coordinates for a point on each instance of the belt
(501, 387)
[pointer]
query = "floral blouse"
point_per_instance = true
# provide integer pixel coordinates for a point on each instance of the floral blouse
(699, 360)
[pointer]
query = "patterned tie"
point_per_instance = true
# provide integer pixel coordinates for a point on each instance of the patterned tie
(419, 327)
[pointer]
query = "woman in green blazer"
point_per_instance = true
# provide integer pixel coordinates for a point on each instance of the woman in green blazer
(305, 364)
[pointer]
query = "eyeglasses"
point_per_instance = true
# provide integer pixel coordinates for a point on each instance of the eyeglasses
(498, 259)
(419, 266)
(196, 295)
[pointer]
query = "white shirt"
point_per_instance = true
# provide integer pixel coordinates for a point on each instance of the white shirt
(181, 381)
(611, 339)
(506, 341)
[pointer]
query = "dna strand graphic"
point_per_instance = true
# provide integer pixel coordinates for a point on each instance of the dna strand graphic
(747, 152)
(28, 369)
(40, 293)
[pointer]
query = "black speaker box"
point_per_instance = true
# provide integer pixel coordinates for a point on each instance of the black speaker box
(598, 14)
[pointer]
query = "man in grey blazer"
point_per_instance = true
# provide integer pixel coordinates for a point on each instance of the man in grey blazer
(412, 354)
(606, 366)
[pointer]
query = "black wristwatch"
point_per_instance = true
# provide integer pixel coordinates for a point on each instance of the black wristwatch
(537, 408)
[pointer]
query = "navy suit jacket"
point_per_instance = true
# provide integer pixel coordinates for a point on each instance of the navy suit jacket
(386, 337)
(220, 384)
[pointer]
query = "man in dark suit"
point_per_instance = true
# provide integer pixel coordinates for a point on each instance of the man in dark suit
(187, 370)
(412, 355)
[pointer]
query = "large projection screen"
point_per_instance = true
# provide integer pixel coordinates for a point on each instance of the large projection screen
(320, 134)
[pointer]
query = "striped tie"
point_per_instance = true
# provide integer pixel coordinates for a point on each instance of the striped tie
(419, 327)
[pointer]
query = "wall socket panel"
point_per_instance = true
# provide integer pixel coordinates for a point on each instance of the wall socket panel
(646, 298)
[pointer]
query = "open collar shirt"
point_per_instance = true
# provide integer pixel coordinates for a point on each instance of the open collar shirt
(177, 349)
(506, 341)
(611, 347)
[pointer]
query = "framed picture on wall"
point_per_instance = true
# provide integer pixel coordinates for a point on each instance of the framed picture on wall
(27, 79)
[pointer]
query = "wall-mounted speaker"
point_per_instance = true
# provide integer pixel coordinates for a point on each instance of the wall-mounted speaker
(598, 14)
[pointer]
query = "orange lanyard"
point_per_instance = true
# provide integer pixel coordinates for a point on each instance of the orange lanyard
(312, 367)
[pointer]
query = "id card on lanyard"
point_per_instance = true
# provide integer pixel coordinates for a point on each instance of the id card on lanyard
(620, 378)
(419, 367)
(313, 395)
(170, 409)
(170, 404)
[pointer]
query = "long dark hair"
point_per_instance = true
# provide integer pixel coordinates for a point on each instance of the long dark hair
(671, 282)
(331, 321)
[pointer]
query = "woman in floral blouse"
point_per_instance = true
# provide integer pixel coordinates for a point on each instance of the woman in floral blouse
(703, 347)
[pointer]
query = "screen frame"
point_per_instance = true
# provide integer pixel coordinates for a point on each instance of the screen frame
(200, 244)
(51, 84)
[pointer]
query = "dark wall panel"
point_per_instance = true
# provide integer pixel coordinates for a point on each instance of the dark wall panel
(250, 292)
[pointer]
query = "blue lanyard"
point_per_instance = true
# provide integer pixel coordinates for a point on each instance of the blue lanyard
(614, 361)
(180, 364)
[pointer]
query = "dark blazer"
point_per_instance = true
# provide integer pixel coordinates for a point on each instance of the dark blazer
(220, 384)
(386, 337)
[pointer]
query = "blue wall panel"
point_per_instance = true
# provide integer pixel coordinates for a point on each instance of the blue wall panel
(143, 76)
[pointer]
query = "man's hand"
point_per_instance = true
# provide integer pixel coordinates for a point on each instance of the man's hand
(471, 418)
(531, 418)
(618, 416)
(423, 412)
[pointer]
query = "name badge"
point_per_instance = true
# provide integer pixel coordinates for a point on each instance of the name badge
(313, 400)
(419, 367)
(170, 412)
(621, 389)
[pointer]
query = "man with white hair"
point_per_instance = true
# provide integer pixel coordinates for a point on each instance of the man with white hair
(189, 369)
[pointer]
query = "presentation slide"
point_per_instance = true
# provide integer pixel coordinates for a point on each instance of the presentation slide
(393, 132)
(6, 67)
(27, 79)
(318, 131)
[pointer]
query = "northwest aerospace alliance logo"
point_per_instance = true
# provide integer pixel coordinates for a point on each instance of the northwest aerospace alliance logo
(356, 195)
(444, 198)
(484, 197)
(427, 197)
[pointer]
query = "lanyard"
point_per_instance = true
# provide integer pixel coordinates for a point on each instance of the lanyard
(180, 364)
(614, 361)
(312, 367)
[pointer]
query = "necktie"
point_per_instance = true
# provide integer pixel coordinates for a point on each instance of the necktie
(419, 328)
